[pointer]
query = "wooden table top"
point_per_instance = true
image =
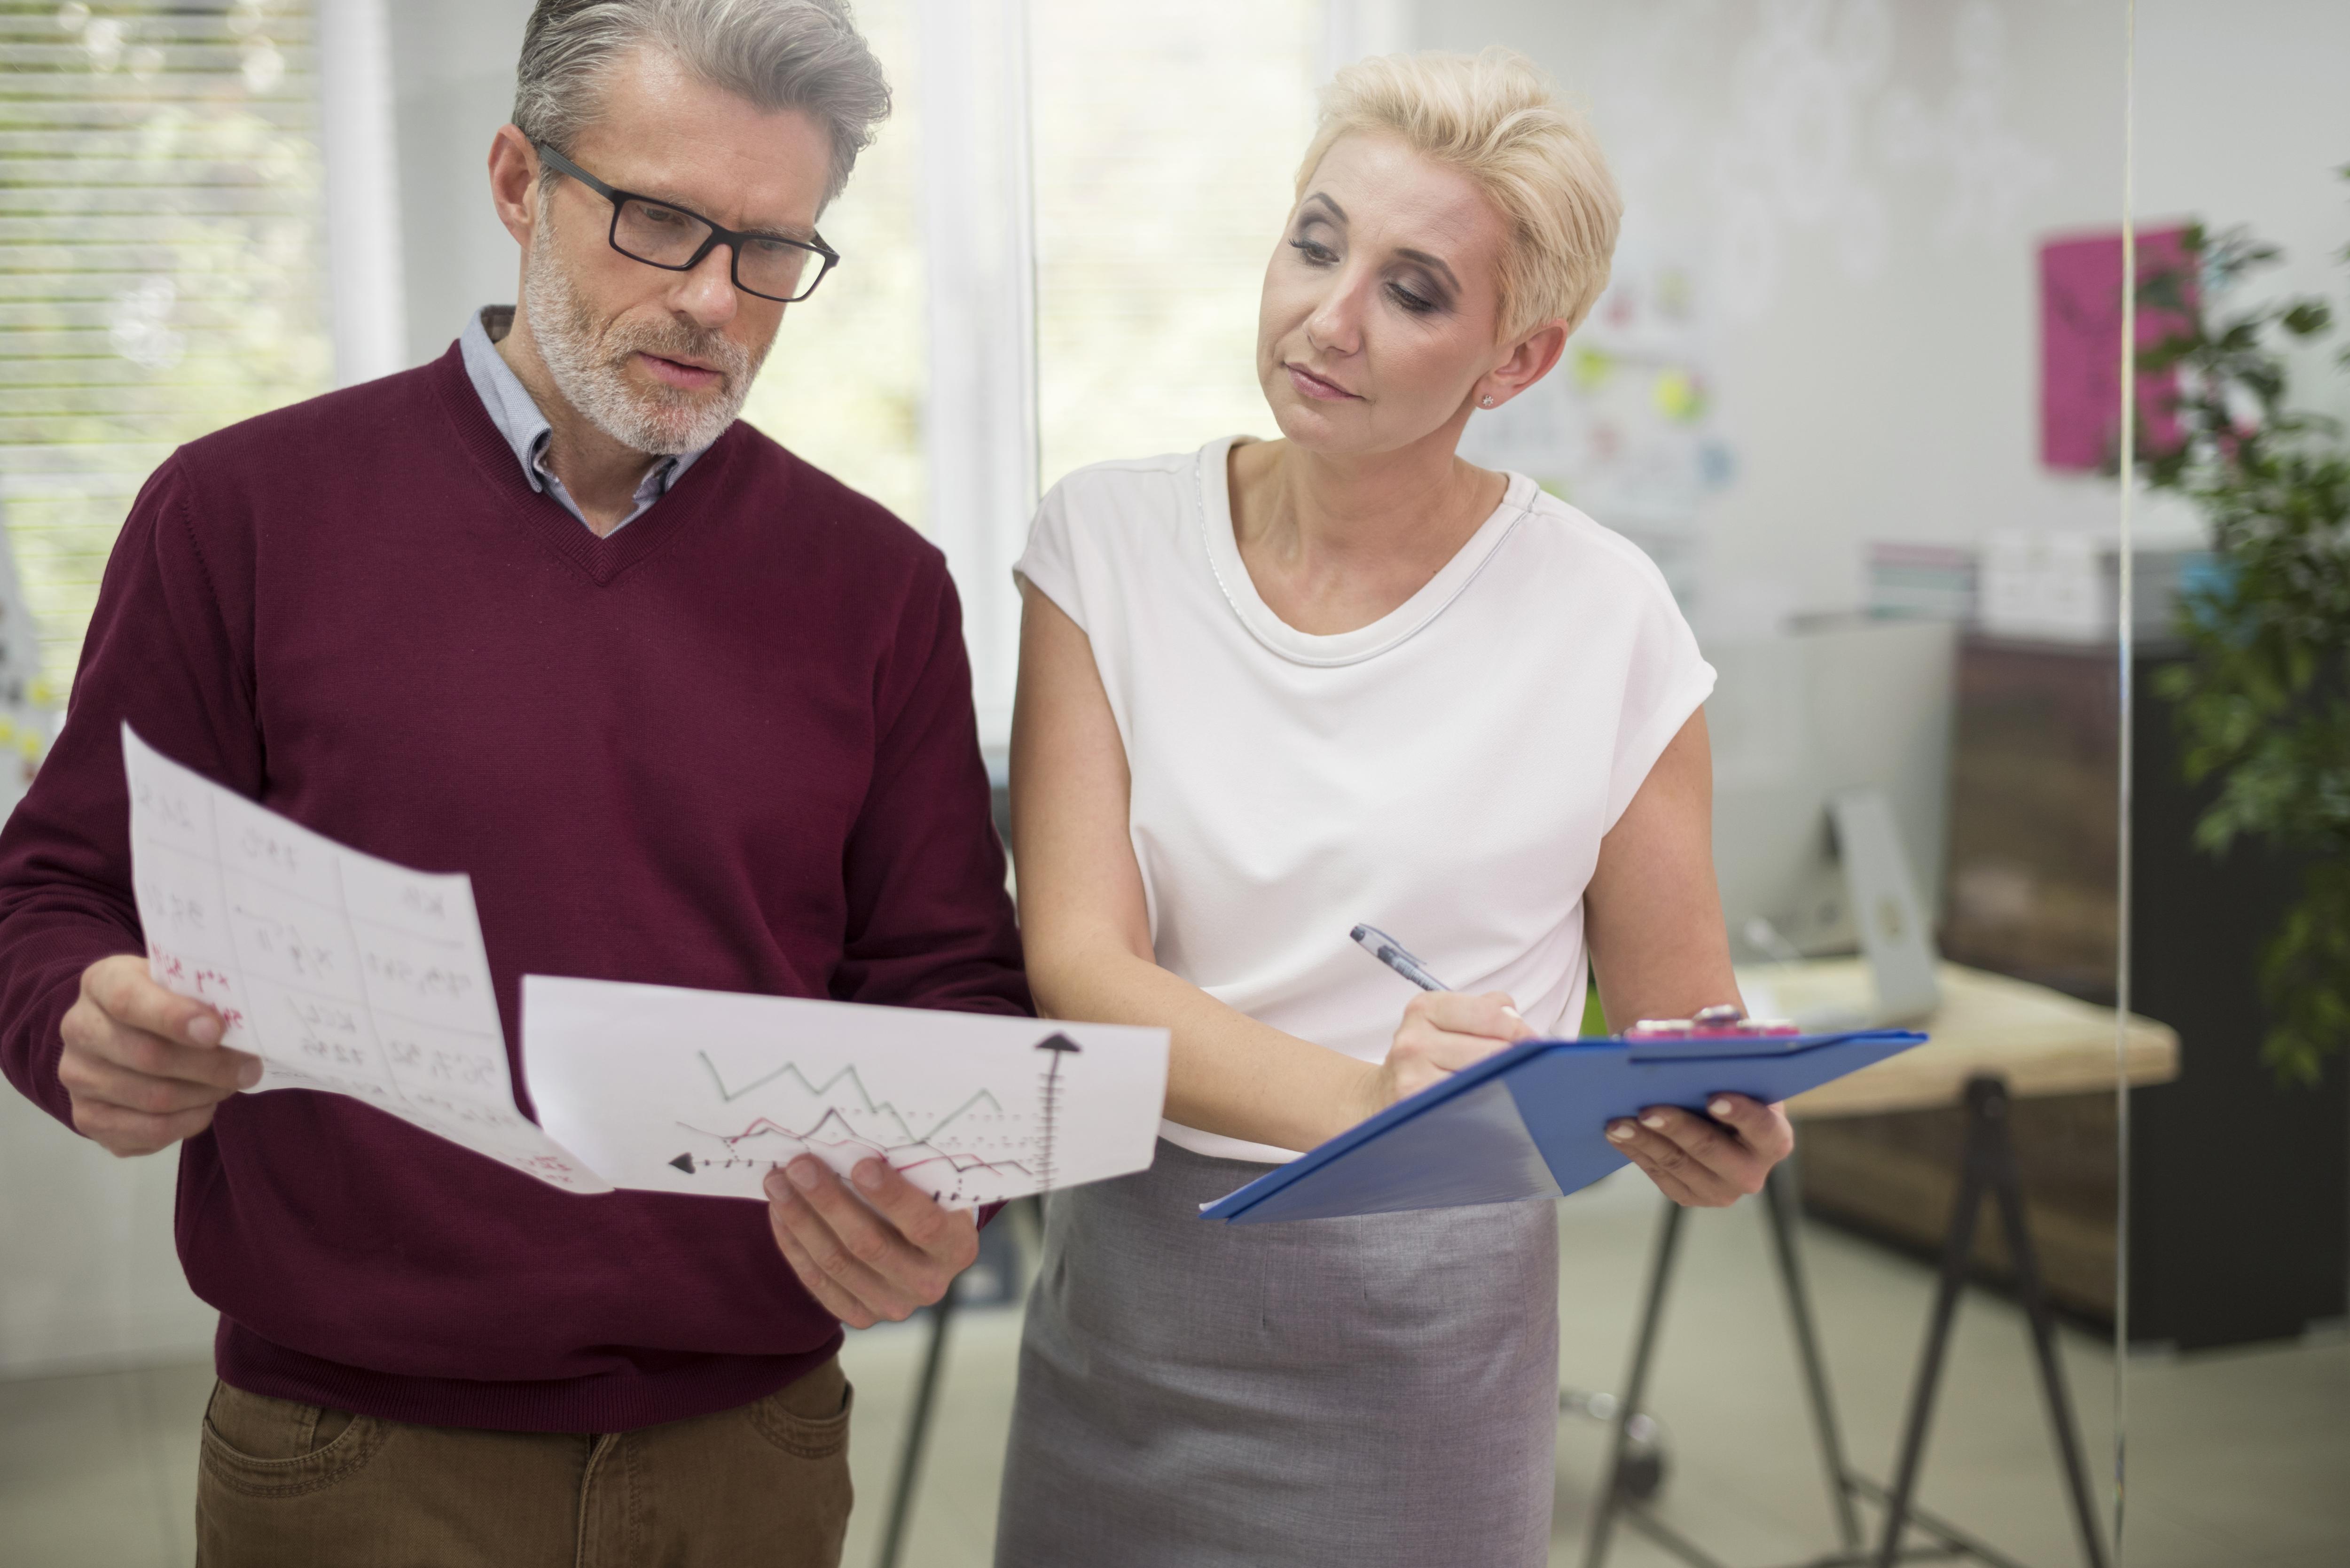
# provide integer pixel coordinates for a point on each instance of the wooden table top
(2041, 1041)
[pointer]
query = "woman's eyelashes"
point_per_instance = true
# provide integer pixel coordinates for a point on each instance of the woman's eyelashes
(1418, 304)
(1416, 299)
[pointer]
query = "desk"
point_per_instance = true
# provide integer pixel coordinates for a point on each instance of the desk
(2038, 1041)
(1993, 1039)
(1881, 1152)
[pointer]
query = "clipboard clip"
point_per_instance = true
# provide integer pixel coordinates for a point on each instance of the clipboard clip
(1700, 1047)
(1723, 1031)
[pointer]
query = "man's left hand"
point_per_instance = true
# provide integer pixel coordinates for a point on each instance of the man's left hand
(1702, 1163)
(870, 1247)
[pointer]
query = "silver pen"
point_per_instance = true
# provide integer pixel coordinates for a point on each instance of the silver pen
(1397, 957)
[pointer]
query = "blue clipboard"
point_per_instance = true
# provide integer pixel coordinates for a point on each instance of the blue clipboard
(1531, 1121)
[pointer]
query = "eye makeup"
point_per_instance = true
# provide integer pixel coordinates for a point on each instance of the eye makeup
(1418, 296)
(1422, 290)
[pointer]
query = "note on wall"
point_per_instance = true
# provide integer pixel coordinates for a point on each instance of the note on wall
(344, 974)
(674, 1090)
(2081, 343)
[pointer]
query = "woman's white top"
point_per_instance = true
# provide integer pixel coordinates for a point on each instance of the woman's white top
(1445, 773)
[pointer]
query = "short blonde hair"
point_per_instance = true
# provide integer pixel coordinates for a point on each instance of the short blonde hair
(1495, 116)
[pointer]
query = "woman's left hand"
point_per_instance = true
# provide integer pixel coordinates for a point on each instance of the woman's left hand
(1707, 1162)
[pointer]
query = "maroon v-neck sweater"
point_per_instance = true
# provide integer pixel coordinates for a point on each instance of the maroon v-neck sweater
(731, 746)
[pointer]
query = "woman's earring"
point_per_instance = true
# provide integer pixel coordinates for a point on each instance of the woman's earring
(1485, 403)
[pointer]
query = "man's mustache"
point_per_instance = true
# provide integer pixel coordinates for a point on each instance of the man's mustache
(671, 342)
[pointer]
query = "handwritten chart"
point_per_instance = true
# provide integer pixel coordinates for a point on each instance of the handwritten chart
(344, 974)
(704, 1092)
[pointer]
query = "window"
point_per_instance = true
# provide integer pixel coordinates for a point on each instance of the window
(1097, 209)
(160, 261)
(844, 385)
(1165, 138)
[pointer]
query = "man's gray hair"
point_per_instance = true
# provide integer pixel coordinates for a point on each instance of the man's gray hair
(779, 54)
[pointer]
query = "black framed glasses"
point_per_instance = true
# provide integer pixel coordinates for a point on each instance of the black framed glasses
(666, 235)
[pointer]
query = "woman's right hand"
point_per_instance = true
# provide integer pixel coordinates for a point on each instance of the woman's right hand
(1443, 1032)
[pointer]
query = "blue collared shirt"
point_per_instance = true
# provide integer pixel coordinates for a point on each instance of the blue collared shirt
(515, 413)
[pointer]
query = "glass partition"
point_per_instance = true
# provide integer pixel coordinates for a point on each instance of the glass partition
(2240, 1172)
(1852, 389)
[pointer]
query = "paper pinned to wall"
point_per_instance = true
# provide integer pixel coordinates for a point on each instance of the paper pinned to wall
(2081, 343)
(344, 974)
(674, 1090)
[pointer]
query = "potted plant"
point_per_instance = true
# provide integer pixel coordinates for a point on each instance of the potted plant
(2263, 700)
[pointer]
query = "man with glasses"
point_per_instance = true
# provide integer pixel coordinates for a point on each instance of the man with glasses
(689, 710)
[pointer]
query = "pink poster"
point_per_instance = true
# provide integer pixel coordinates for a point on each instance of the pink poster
(2081, 346)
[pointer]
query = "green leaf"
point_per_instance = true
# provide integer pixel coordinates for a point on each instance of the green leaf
(2307, 317)
(2262, 702)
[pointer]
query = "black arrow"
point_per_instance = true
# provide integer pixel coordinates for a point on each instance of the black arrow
(684, 1162)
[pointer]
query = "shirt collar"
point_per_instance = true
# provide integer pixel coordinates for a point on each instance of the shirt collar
(527, 431)
(510, 407)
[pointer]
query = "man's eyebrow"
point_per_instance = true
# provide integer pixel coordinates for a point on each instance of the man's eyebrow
(769, 231)
(1434, 263)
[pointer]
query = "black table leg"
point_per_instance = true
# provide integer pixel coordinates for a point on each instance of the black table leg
(2009, 1189)
(1636, 1387)
(918, 1426)
(1988, 1165)
(1958, 1250)
(1779, 1199)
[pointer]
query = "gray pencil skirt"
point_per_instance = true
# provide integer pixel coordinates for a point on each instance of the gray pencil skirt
(1377, 1392)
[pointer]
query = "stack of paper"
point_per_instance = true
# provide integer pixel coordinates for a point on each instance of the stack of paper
(344, 974)
(349, 975)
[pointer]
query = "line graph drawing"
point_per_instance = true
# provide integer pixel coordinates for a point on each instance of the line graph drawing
(976, 1140)
(676, 1090)
(788, 1070)
(967, 1174)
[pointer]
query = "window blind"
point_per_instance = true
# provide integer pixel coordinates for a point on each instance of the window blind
(161, 251)
(1166, 141)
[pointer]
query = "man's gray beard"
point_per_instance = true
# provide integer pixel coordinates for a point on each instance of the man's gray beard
(589, 364)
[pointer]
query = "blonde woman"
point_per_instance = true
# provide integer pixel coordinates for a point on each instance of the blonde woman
(1272, 688)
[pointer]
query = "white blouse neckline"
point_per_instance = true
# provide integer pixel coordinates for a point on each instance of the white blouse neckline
(1213, 492)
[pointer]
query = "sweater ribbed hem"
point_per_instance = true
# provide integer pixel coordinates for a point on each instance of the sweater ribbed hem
(687, 1387)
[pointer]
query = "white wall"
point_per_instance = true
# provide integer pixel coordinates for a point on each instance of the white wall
(2243, 117)
(1862, 187)
(362, 192)
(979, 418)
(453, 66)
(1858, 188)
(88, 1275)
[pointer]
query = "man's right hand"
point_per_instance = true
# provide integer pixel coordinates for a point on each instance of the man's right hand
(143, 1067)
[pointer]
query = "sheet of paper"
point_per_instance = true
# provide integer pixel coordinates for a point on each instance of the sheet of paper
(344, 974)
(704, 1092)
